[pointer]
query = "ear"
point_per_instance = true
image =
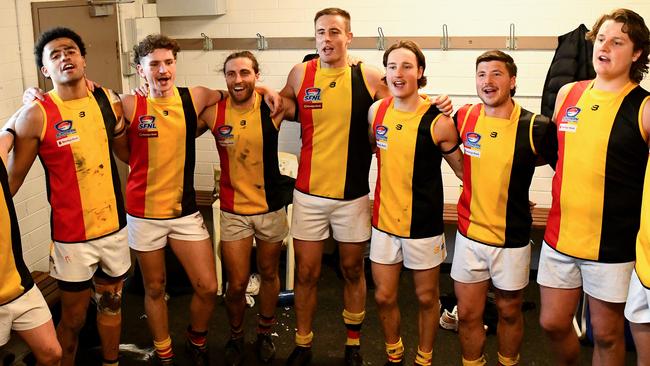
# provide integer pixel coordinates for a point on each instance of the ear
(636, 55)
(513, 82)
(45, 72)
(420, 72)
(349, 38)
(257, 76)
(140, 71)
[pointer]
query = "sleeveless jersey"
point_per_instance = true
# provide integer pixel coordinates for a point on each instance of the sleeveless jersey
(598, 182)
(15, 279)
(335, 155)
(247, 141)
(408, 194)
(161, 140)
(500, 157)
(643, 239)
(83, 185)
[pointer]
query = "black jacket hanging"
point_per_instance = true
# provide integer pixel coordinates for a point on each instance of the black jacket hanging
(572, 62)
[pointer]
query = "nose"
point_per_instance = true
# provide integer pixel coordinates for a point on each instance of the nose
(162, 68)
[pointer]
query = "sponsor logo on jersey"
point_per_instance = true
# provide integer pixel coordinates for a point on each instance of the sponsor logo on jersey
(312, 99)
(147, 126)
(225, 136)
(571, 114)
(471, 145)
(381, 137)
(64, 129)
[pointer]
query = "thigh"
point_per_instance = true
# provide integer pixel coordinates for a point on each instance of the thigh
(268, 254)
(426, 282)
(424, 254)
(236, 255)
(73, 262)
(606, 317)
(386, 277)
(235, 227)
(510, 267)
(6, 319)
(190, 228)
(30, 311)
(558, 305)
(608, 282)
(272, 226)
(469, 265)
(115, 258)
(557, 270)
(385, 249)
(310, 220)
(41, 339)
(351, 220)
(197, 258)
(637, 307)
(152, 266)
(146, 235)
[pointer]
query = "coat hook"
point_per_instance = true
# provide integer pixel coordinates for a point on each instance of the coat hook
(262, 44)
(444, 41)
(511, 42)
(207, 42)
(381, 40)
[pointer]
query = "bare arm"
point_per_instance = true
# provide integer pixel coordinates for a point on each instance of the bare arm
(206, 119)
(6, 143)
(645, 120)
(120, 143)
(378, 88)
(446, 138)
(371, 119)
(28, 127)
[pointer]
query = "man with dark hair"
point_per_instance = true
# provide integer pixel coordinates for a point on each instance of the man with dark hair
(494, 219)
(589, 243)
(72, 130)
(22, 306)
(251, 199)
(332, 184)
(411, 137)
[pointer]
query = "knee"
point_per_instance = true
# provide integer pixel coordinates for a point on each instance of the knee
(73, 322)
(352, 269)
(427, 298)
(268, 272)
(155, 288)
(52, 357)
(554, 325)
(236, 289)
(307, 275)
(385, 298)
(510, 313)
(606, 336)
(205, 289)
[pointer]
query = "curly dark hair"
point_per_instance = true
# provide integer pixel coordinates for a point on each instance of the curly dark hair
(634, 26)
(52, 34)
(153, 42)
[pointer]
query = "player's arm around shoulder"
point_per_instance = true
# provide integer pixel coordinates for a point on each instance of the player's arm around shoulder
(645, 120)
(559, 100)
(28, 123)
(207, 119)
(445, 136)
(120, 143)
(294, 80)
(374, 81)
(372, 112)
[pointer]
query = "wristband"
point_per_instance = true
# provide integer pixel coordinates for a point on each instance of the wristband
(10, 130)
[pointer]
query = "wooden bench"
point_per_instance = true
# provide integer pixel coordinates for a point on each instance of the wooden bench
(49, 288)
(540, 215)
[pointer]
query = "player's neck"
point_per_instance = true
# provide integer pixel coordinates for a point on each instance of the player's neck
(613, 84)
(341, 62)
(159, 93)
(72, 90)
(244, 105)
(503, 110)
(408, 103)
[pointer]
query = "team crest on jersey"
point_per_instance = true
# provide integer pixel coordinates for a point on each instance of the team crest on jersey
(65, 134)
(570, 119)
(381, 137)
(225, 136)
(312, 99)
(147, 126)
(471, 145)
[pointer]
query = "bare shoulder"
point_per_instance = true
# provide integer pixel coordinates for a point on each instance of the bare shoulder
(30, 121)
(561, 95)
(645, 118)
